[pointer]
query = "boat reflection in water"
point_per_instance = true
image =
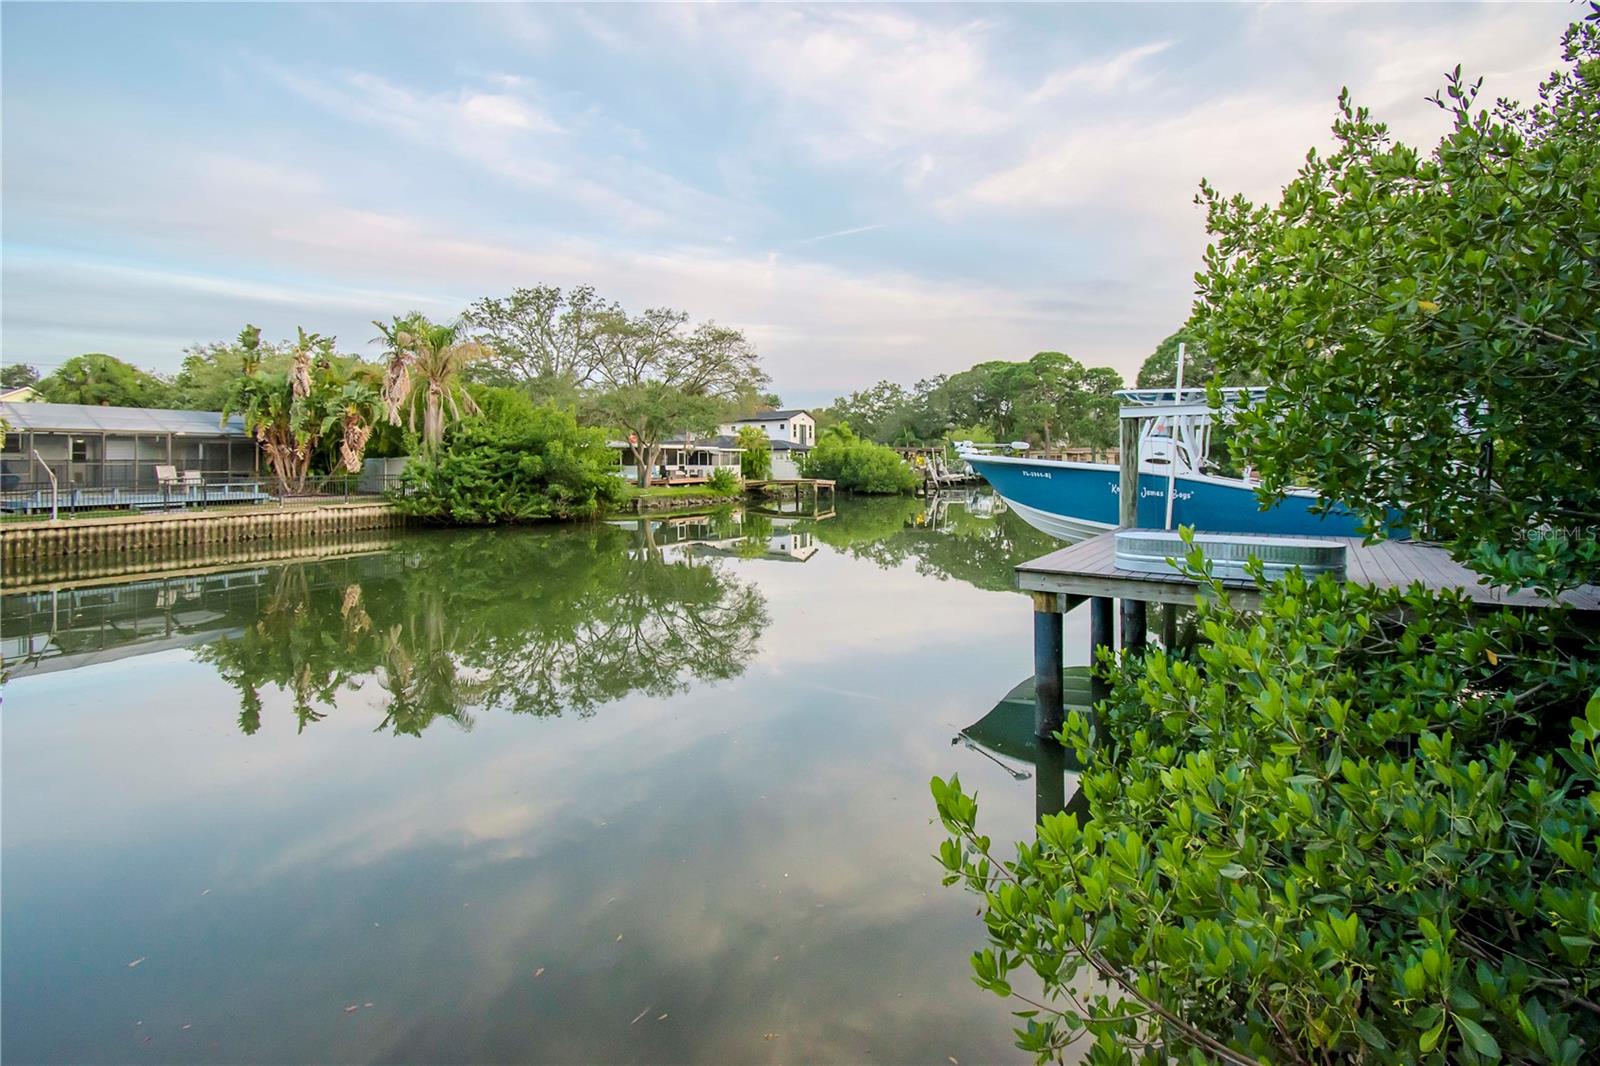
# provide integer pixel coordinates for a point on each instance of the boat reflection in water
(1005, 735)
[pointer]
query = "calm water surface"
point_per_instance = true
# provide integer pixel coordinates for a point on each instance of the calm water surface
(650, 792)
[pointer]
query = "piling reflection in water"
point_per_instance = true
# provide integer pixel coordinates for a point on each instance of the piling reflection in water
(1006, 736)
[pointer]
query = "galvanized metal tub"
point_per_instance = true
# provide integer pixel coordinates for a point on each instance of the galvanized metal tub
(1147, 551)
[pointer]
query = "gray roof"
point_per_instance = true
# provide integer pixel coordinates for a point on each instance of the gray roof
(772, 416)
(709, 444)
(789, 446)
(89, 418)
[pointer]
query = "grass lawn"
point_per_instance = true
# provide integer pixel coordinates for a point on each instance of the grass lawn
(677, 491)
(44, 516)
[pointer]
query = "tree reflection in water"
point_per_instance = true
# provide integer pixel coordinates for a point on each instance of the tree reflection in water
(540, 622)
(944, 537)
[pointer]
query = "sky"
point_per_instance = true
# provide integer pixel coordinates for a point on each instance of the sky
(867, 191)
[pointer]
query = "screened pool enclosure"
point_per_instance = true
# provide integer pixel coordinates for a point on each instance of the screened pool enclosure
(123, 456)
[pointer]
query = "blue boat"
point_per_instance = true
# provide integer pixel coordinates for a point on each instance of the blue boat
(1071, 501)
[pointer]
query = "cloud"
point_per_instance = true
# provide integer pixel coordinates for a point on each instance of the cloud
(860, 80)
(1099, 75)
(852, 231)
(1039, 167)
(507, 133)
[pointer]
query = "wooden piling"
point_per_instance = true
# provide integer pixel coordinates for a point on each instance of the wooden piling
(1047, 665)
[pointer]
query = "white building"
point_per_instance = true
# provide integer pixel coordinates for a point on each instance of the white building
(793, 425)
(792, 433)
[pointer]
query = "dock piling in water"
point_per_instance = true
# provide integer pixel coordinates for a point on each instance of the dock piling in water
(1047, 666)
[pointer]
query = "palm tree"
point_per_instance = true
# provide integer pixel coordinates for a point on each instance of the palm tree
(398, 338)
(353, 413)
(439, 356)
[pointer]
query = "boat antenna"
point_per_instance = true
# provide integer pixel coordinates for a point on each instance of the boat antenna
(1172, 457)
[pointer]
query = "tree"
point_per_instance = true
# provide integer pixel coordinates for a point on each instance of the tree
(210, 371)
(858, 465)
(319, 398)
(397, 339)
(435, 358)
(97, 378)
(1341, 833)
(1356, 824)
(1437, 314)
(755, 462)
(541, 338)
(872, 412)
(18, 375)
(1053, 394)
(1160, 368)
(527, 465)
(659, 378)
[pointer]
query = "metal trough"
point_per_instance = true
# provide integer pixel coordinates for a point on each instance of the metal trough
(1147, 551)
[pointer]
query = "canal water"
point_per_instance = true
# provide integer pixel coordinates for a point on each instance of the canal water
(642, 792)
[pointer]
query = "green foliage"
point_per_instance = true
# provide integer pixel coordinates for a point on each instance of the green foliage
(1051, 397)
(319, 409)
(755, 462)
(657, 377)
(724, 482)
(858, 465)
(940, 538)
(530, 464)
(1160, 369)
(1429, 323)
(97, 378)
(541, 339)
(1360, 826)
(18, 375)
(436, 357)
(524, 622)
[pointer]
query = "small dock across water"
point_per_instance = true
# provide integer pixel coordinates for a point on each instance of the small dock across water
(799, 486)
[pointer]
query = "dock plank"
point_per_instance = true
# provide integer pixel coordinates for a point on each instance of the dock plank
(1088, 568)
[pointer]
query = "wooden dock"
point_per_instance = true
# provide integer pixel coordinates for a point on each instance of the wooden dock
(799, 486)
(1088, 572)
(1089, 568)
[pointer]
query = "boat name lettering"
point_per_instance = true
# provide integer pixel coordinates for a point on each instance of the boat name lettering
(1036, 473)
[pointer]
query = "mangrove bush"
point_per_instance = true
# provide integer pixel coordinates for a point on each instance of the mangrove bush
(858, 465)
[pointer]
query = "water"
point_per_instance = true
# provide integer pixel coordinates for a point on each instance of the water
(643, 793)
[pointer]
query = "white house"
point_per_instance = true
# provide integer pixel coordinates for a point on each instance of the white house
(681, 458)
(793, 425)
(792, 433)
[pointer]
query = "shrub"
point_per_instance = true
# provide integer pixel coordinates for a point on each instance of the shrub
(1361, 826)
(858, 465)
(724, 482)
(755, 462)
(533, 463)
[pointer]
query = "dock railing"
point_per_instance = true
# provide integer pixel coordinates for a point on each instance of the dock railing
(37, 500)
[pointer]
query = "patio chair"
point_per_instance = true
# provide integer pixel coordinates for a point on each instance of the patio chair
(166, 476)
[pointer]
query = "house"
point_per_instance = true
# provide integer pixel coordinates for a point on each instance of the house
(792, 433)
(794, 426)
(89, 446)
(684, 457)
(21, 394)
